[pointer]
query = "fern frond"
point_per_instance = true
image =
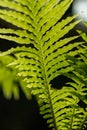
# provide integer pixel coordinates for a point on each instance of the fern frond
(79, 74)
(39, 23)
(67, 114)
(9, 83)
(79, 78)
(29, 66)
(60, 30)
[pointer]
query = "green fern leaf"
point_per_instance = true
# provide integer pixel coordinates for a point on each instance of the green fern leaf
(38, 24)
(9, 81)
(79, 77)
(67, 114)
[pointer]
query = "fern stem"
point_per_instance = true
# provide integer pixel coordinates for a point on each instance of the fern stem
(73, 113)
(71, 125)
(54, 119)
(47, 86)
(50, 102)
(44, 72)
(46, 82)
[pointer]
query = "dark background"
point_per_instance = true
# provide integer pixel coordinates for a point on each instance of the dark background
(20, 115)
(23, 114)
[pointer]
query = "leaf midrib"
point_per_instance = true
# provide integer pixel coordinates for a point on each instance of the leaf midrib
(43, 69)
(47, 87)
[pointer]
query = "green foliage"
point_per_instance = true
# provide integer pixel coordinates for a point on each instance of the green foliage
(79, 80)
(40, 31)
(9, 82)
